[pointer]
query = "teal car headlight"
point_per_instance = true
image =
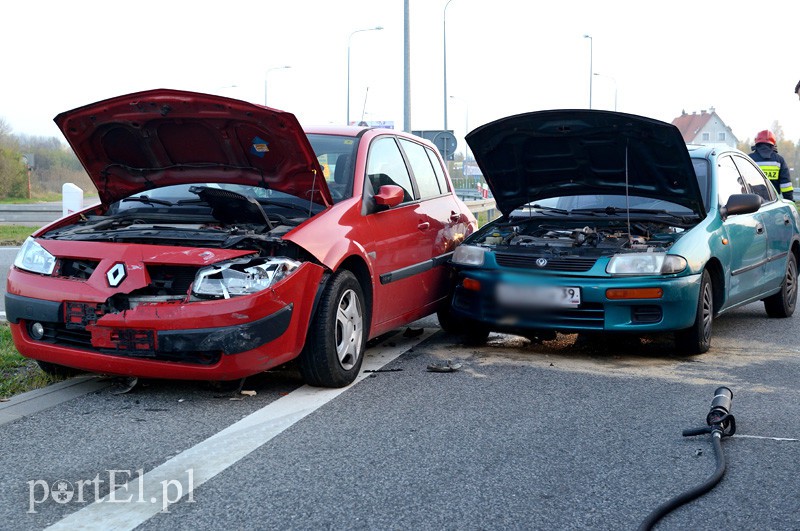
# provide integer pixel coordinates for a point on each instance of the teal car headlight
(469, 255)
(244, 276)
(35, 258)
(645, 264)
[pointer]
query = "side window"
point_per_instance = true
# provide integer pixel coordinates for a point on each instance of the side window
(421, 166)
(729, 181)
(385, 165)
(758, 183)
(437, 168)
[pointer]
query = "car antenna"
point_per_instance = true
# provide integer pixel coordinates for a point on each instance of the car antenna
(627, 194)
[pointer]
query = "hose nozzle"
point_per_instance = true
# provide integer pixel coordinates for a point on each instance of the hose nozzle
(719, 419)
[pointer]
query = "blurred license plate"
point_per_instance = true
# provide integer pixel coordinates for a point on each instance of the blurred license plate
(538, 296)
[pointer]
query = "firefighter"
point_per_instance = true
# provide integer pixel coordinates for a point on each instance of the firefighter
(765, 154)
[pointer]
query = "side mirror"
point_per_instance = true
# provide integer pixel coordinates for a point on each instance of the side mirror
(741, 204)
(389, 195)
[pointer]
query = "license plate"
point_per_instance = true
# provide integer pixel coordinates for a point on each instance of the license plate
(538, 296)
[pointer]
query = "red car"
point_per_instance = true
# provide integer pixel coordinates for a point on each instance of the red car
(228, 240)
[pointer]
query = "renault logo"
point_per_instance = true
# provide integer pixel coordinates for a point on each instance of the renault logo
(116, 274)
(541, 262)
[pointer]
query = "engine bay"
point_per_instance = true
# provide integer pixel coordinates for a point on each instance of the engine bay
(579, 239)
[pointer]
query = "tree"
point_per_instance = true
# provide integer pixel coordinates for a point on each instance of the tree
(13, 177)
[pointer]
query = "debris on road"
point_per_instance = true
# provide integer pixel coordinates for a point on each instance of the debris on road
(124, 385)
(447, 366)
(413, 332)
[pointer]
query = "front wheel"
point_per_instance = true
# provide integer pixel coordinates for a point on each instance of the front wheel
(697, 338)
(334, 348)
(782, 304)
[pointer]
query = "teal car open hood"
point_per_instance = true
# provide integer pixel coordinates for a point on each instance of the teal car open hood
(533, 156)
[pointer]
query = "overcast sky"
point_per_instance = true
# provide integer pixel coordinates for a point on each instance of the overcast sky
(503, 57)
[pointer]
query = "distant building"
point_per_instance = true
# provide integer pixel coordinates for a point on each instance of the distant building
(705, 127)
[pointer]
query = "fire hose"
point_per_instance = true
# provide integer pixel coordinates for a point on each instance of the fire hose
(720, 424)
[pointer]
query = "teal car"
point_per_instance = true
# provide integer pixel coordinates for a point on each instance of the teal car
(611, 223)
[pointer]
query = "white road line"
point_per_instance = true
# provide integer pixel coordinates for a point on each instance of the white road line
(786, 439)
(138, 500)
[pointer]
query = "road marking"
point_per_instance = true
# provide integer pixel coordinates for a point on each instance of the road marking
(218, 452)
(740, 436)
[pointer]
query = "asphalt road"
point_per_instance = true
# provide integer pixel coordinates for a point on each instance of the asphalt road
(524, 436)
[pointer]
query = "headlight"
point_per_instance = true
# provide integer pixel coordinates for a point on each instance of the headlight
(244, 276)
(645, 264)
(469, 255)
(35, 258)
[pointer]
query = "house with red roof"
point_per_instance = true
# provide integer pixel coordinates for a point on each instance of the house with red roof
(705, 127)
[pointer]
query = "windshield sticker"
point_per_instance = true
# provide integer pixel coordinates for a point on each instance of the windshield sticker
(260, 146)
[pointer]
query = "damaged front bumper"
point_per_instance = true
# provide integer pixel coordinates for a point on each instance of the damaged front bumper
(207, 340)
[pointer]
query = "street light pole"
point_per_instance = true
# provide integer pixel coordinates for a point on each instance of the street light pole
(615, 88)
(591, 68)
(444, 58)
(350, 38)
(265, 79)
(466, 123)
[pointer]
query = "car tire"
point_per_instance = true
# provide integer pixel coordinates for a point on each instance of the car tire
(697, 338)
(57, 371)
(448, 322)
(783, 303)
(337, 335)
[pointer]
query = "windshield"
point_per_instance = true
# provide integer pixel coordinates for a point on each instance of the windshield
(336, 156)
(571, 203)
(701, 170)
(185, 196)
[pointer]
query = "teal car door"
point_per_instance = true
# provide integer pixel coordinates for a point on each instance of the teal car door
(775, 215)
(747, 238)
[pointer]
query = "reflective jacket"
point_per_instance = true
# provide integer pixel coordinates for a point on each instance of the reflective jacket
(774, 167)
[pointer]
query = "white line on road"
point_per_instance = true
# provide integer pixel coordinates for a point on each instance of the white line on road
(740, 436)
(142, 498)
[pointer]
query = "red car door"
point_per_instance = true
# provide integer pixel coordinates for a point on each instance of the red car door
(404, 239)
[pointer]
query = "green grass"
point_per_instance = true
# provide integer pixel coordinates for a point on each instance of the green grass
(18, 374)
(38, 198)
(14, 234)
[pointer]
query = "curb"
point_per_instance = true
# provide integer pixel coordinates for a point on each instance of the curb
(40, 399)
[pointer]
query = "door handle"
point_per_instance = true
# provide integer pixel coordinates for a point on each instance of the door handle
(785, 219)
(759, 229)
(425, 225)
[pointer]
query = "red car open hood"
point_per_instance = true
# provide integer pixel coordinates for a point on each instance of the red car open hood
(162, 137)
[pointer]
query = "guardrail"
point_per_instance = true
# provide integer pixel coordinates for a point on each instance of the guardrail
(31, 215)
(481, 205)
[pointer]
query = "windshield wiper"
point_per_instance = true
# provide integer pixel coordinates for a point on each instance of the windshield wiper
(281, 204)
(147, 200)
(537, 206)
(614, 211)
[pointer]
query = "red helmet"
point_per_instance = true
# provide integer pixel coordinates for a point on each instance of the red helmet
(766, 137)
